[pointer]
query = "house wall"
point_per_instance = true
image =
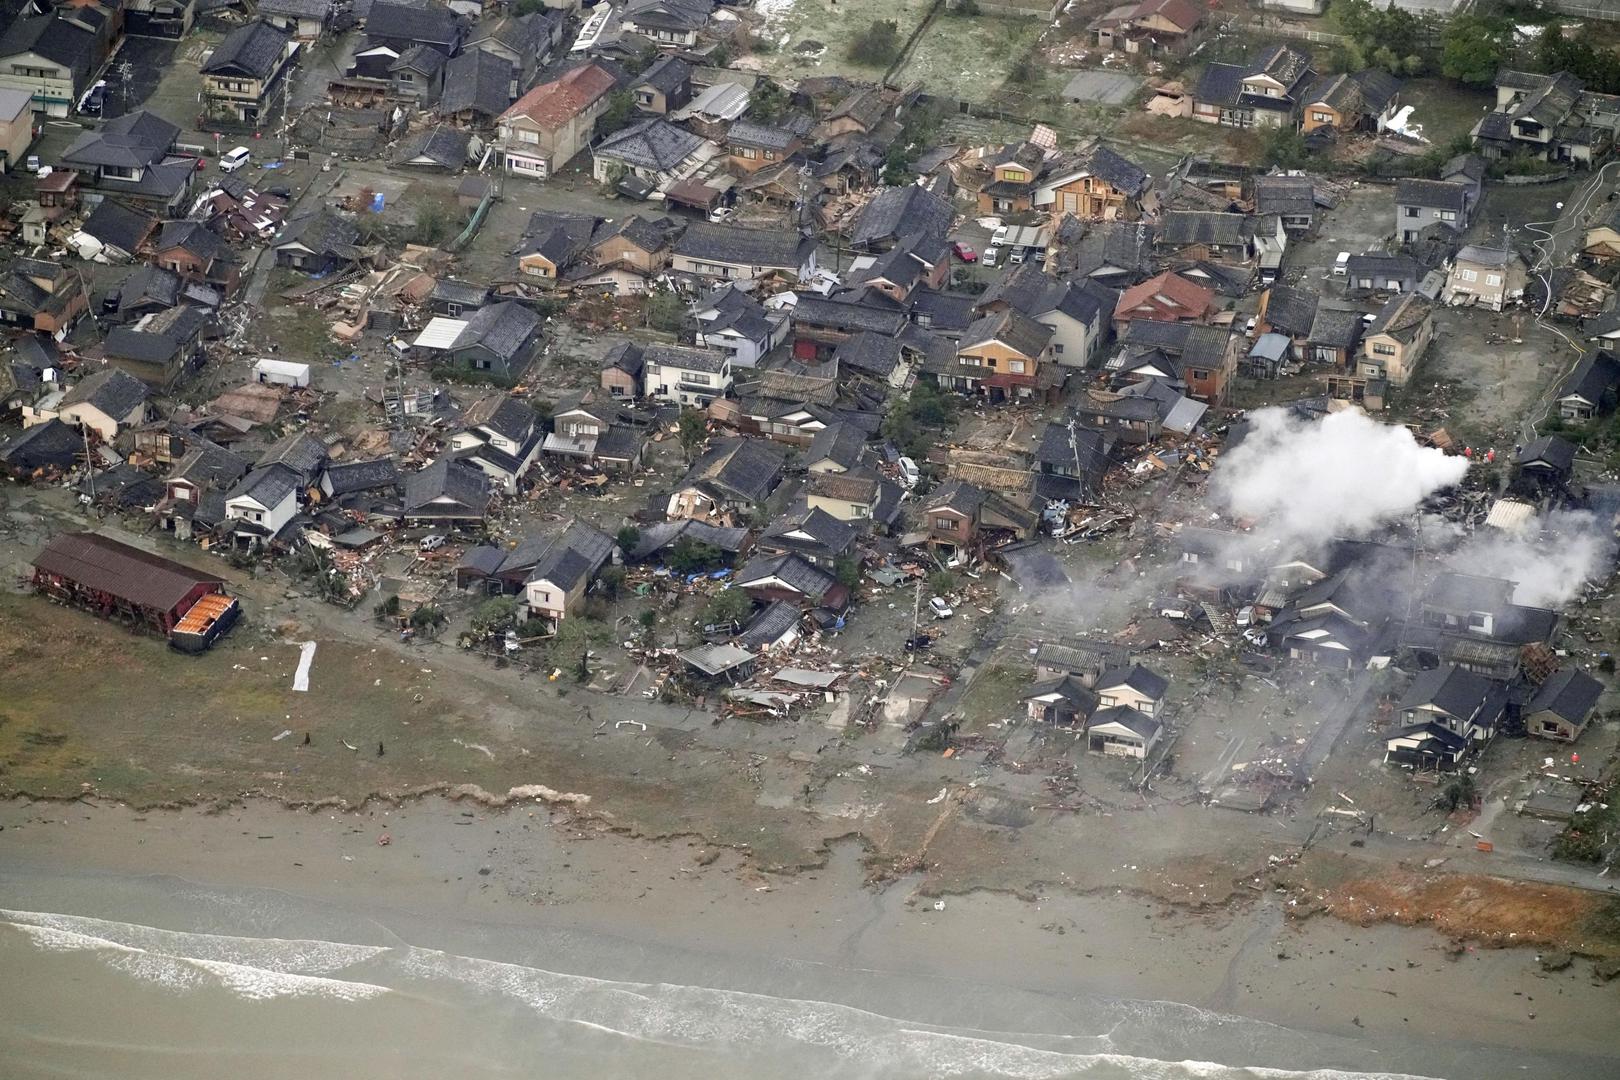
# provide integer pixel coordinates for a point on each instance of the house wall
(55, 93)
(1398, 365)
(949, 527)
(665, 384)
(546, 600)
(84, 415)
(188, 266)
(842, 509)
(619, 384)
(1126, 695)
(1002, 366)
(1318, 115)
(1411, 220)
(15, 137)
(620, 251)
(1547, 724)
(273, 519)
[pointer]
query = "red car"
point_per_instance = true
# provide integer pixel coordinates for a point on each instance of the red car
(964, 252)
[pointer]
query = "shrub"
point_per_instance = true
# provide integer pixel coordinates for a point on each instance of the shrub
(879, 46)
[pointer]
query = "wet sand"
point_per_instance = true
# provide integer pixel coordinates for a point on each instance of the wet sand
(530, 886)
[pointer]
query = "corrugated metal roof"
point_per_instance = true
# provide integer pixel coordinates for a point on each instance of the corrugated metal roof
(439, 333)
(1510, 514)
(136, 576)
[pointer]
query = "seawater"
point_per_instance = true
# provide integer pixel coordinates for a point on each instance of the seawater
(92, 997)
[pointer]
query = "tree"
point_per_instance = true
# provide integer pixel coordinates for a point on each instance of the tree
(878, 46)
(387, 610)
(428, 619)
(727, 606)
(666, 311)
(611, 581)
(692, 429)
(627, 538)
(1284, 147)
(848, 571)
(1472, 49)
(1458, 794)
(621, 108)
(571, 644)
(1024, 70)
(495, 617)
(913, 424)
(688, 556)
(768, 101)
(941, 582)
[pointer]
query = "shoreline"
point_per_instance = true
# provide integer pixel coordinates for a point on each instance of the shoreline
(476, 875)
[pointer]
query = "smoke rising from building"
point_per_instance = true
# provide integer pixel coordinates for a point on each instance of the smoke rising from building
(1550, 563)
(1304, 482)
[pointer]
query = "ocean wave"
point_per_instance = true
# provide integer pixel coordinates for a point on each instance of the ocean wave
(257, 969)
(864, 1043)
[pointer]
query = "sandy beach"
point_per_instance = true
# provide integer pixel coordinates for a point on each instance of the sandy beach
(532, 886)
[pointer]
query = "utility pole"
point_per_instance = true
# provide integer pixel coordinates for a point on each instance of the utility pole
(916, 608)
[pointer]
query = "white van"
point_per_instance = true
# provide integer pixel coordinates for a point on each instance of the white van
(234, 160)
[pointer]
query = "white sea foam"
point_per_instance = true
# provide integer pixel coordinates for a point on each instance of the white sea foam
(869, 1044)
(253, 968)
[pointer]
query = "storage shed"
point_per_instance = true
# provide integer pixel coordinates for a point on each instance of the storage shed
(136, 587)
(281, 373)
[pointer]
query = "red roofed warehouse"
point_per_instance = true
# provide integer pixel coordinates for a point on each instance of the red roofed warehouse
(551, 124)
(120, 582)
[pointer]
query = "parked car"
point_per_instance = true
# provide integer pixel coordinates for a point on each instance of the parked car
(1018, 255)
(1341, 264)
(431, 543)
(721, 213)
(94, 98)
(998, 237)
(990, 256)
(964, 252)
(234, 159)
(940, 608)
(909, 473)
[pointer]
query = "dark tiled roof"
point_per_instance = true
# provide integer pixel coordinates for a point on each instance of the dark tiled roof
(52, 38)
(771, 248)
(839, 443)
(253, 51)
(447, 478)
(1569, 693)
(111, 390)
(1013, 329)
(198, 239)
(747, 133)
(1336, 327)
(118, 226)
(903, 211)
(1401, 317)
(478, 81)
(1121, 172)
(1138, 678)
(1452, 689)
(748, 469)
(1220, 84)
(320, 230)
(654, 143)
(792, 569)
(1432, 194)
(412, 20)
(684, 357)
(347, 477)
(1550, 450)
(135, 140)
(667, 75)
(502, 328)
(1596, 374)
(1291, 311)
(268, 486)
(1184, 227)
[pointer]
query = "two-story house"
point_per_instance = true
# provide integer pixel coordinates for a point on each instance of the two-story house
(1552, 117)
(1590, 389)
(1421, 203)
(669, 24)
(960, 517)
(1199, 358)
(553, 241)
(524, 41)
(1099, 184)
(245, 77)
(653, 150)
(1134, 687)
(1169, 297)
(46, 297)
(1266, 93)
(51, 57)
(501, 437)
(731, 480)
(1487, 276)
(199, 255)
(684, 375)
(105, 402)
(171, 19)
(1014, 172)
(586, 427)
(157, 349)
(553, 123)
(628, 252)
(1149, 27)
(663, 87)
(305, 20)
(261, 505)
(1075, 311)
(1365, 100)
(751, 147)
(1446, 713)
(1000, 355)
(556, 586)
(1396, 341)
(732, 321)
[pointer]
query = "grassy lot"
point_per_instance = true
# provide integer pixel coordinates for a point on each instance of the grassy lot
(995, 695)
(969, 58)
(793, 29)
(1444, 108)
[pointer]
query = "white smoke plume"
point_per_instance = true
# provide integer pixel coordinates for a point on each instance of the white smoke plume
(1345, 475)
(1550, 562)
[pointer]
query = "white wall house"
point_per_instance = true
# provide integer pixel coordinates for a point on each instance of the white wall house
(687, 376)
